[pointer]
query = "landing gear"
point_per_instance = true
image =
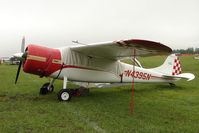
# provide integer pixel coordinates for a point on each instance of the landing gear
(46, 88)
(172, 84)
(64, 95)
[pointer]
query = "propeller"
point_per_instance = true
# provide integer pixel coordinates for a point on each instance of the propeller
(18, 71)
(21, 57)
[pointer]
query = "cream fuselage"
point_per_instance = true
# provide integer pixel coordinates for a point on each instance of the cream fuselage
(106, 71)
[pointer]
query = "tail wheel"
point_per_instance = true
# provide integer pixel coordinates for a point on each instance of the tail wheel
(64, 95)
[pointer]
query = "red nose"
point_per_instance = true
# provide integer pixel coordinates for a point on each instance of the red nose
(42, 61)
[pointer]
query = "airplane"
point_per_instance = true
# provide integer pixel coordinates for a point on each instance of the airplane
(5, 59)
(99, 63)
(197, 58)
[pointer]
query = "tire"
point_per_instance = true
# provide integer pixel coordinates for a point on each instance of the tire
(44, 89)
(64, 95)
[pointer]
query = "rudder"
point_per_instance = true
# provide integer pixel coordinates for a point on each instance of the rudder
(177, 66)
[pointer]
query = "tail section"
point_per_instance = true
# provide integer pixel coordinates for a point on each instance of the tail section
(171, 68)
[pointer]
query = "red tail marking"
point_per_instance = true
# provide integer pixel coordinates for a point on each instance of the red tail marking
(176, 67)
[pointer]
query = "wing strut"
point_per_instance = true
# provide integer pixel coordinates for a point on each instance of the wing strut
(137, 62)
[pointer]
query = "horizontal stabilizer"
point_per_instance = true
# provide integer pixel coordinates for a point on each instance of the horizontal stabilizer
(188, 76)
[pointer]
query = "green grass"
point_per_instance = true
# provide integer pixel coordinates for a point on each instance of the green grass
(158, 108)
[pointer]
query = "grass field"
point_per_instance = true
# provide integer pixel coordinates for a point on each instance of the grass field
(158, 108)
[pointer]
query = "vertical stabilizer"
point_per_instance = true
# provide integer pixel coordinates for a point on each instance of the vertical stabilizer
(171, 66)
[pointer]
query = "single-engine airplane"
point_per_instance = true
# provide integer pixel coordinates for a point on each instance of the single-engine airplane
(197, 58)
(99, 63)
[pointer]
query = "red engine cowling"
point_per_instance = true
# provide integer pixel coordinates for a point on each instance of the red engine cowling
(42, 61)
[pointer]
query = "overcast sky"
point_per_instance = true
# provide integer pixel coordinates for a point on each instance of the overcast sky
(55, 23)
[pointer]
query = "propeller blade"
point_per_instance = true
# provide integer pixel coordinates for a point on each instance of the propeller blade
(21, 56)
(23, 45)
(18, 71)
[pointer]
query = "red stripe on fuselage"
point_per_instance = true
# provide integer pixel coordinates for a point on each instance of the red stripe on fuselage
(157, 77)
(161, 77)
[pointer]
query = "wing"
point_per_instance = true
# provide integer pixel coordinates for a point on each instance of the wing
(123, 49)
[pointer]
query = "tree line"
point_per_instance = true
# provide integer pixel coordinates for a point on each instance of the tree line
(187, 51)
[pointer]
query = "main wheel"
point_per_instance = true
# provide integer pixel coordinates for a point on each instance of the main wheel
(64, 95)
(44, 89)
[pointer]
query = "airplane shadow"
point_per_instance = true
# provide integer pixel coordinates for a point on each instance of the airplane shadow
(114, 93)
(159, 88)
(150, 88)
